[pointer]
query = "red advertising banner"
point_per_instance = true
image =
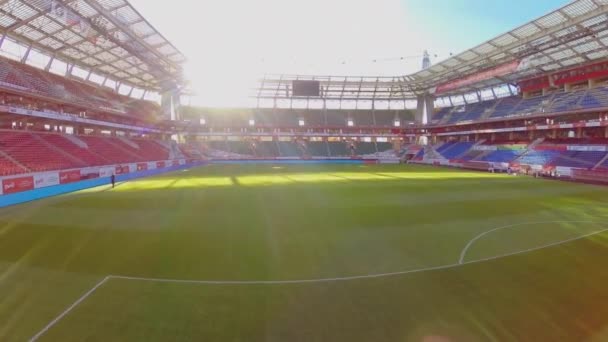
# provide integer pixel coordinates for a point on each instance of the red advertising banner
(66, 177)
(142, 166)
(588, 175)
(160, 164)
(14, 185)
(176, 163)
(122, 169)
(500, 70)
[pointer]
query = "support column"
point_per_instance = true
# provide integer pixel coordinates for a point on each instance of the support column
(419, 118)
(425, 105)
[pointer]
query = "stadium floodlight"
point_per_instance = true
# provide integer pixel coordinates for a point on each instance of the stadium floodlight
(203, 122)
(301, 122)
(397, 123)
(350, 123)
(251, 122)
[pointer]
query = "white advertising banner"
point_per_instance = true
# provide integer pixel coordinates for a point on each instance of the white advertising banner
(588, 148)
(485, 148)
(563, 171)
(42, 180)
(152, 166)
(106, 171)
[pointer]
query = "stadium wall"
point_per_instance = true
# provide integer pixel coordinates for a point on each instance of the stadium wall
(27, 188)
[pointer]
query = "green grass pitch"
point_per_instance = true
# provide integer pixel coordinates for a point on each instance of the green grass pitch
(310, 253)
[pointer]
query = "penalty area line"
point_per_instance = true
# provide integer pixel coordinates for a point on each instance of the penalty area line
(350, 278)
(460, 263)
(476, 238)
(68, 310)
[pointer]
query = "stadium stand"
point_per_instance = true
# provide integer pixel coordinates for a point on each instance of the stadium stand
(338, 149)
(365, 148)
(384, 118)
(336, 118)
(502, 156)
(453, 150)
(314, 118)
(289, 149)
(318, 149)
(22, 152)
(362, 118)
(268, 149)
(17, 76)
(384, 146)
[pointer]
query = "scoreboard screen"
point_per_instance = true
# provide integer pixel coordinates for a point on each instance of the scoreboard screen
(306, 88)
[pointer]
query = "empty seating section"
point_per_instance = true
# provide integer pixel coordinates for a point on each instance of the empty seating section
(471, 155)
(314, 118)
(537, 157)
(151, 150)
(84, 154)
(384, 146)
(261, 118)
(385, 118)
(502, 156)
(317, 148)
(365, 148)
(441, 113)
(604, 164)
(457, 115)
(579, 159)
(7, 167)
(109, 150)
(33, 153)
(566, 101)
(445, 146)
(505, 106)
(16, 75)
(238, 147)
(289, 149)
(531, 105)
(218, 145)
(597, 97)
(475, 111)
(338, 149)
(335, 118)
(266, 149)
(362, 117)
(454, 149)
(516, 105)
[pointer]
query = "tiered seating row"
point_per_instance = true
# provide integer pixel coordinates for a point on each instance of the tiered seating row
(28, 78)
(22, 152)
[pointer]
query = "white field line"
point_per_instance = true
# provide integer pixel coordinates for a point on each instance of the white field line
(323, 280)
(468, 246)
(67, 311)
(370, 276)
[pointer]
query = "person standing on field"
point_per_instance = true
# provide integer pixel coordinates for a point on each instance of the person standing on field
(113, 180)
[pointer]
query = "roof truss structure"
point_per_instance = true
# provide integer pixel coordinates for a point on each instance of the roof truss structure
(574, 34)
(339, 89)
(108, 37)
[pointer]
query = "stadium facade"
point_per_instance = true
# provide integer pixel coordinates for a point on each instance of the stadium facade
(89, 88)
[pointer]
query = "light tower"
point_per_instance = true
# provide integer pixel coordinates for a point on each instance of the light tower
(426, 60)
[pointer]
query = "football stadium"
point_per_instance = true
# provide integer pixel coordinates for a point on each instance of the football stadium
(464, 201)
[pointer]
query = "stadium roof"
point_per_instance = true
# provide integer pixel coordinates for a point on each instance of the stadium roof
(574, 34)
(108, 37)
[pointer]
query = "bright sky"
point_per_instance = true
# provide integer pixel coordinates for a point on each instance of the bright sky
(232, 43)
